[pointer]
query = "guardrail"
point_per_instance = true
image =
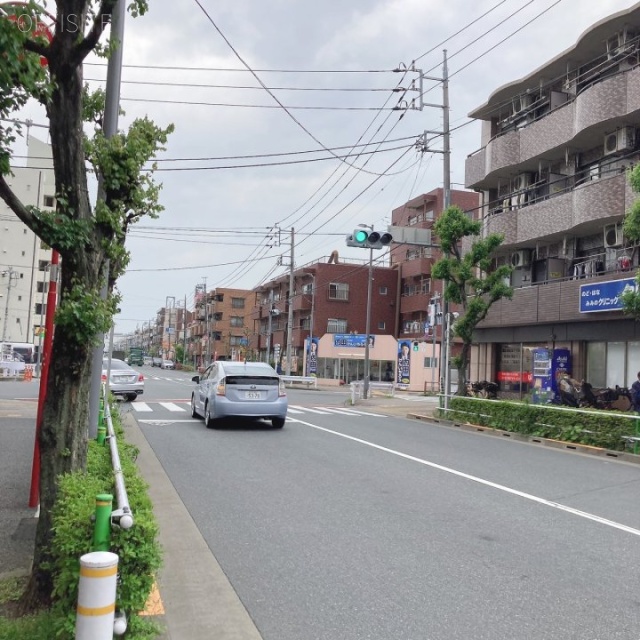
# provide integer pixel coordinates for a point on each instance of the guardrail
(122, 516)
(308, 380)
(358, 386)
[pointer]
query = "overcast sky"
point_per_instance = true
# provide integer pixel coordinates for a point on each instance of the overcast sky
(337, 55)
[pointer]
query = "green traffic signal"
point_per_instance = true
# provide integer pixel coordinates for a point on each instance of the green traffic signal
(360, 235)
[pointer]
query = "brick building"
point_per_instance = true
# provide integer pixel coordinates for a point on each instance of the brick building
(556, 145)
(330, 297)
(221, 327)
(415, 263)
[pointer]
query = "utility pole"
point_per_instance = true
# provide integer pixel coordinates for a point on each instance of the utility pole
(206, 321)
(11, 275)
(446, 186)
(170, 308)
(290, 311)
(184, 324)
(269, 324)
(110, 128)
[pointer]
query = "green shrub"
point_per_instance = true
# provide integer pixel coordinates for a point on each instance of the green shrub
(594, 427)
(137, 548)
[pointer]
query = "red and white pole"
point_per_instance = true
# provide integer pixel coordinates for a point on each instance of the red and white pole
(52, 298)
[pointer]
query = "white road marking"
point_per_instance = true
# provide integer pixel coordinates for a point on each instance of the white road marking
(355, 412)
(340, 412)
(324, 413)
(141, 407)
(164, 422)
(486, 483)
(291, 410)
(171, 406)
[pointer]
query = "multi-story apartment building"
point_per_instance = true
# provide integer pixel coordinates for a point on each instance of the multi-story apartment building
(221, 326)
(169, 330)
(330, 297)
(416, 286)
(552, 171)
(24, 260)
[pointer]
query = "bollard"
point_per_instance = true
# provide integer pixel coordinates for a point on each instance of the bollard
(102, 525)
(97, 596)
(102, 433)
(101, 414)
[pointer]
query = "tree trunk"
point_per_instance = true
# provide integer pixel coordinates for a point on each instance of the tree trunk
(64, 431)
(463, 368)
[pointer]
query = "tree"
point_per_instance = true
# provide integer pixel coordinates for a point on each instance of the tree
(631, 231)
(470, 278)
(87, 238)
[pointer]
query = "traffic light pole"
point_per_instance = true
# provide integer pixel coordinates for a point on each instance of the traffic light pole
(367, 361)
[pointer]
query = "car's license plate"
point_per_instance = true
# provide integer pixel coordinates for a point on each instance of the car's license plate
(252, 395)
(121, 379)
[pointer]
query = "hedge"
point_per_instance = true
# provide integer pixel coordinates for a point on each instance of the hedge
(137, 548)
(606, 429)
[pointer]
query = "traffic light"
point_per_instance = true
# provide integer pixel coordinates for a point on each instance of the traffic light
(368, 239)
(416, 345)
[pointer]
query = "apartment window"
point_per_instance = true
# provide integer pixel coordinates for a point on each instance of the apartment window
(43, 265)
(335, 325)
(338, 291)
(237, 303)
(23, 253)
(235, 341)
(49, 201)
(19, 298)
(307, 289)
(305, 323)
(237, 321)
(428, 215)
(41, 309)
(382, 325)
(383, 291)
(430, 363)
(42, 287)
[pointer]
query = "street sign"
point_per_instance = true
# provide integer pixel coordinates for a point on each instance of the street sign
(411, 235)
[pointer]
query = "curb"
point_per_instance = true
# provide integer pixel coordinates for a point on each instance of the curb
(199, 601)
(620, 456)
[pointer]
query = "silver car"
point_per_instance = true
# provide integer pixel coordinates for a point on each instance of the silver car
(239, 389)
(123, 380)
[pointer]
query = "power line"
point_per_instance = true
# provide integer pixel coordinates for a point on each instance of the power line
(286, 108)
(459, 31)
(245, 70)
(195, 85)
(264, 86)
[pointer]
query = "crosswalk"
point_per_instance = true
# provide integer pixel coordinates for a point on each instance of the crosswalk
(183, 407)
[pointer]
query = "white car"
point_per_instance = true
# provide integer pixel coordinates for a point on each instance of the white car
(123, 381)
(167, 364)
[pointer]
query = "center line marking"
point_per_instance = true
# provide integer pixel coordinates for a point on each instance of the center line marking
(486, 483)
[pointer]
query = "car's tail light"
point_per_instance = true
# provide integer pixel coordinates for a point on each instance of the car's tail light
(221, 389)
(140, 378)
(281, 389)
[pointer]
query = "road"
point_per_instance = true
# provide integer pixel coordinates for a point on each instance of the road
(354, 526)
(362, 526)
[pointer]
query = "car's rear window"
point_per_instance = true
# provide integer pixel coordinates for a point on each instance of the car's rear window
(255, 380)
(116, 364)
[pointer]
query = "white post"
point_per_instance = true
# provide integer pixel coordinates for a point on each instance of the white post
(97, 596)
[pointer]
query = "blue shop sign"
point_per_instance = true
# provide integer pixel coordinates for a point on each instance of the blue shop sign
(358, 340)
(604, 296)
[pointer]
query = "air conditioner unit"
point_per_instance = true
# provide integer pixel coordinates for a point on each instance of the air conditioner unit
(522, 181)
(521, 258)
(613, 236)
(522, 102)
(623, 139)
(620, 43)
